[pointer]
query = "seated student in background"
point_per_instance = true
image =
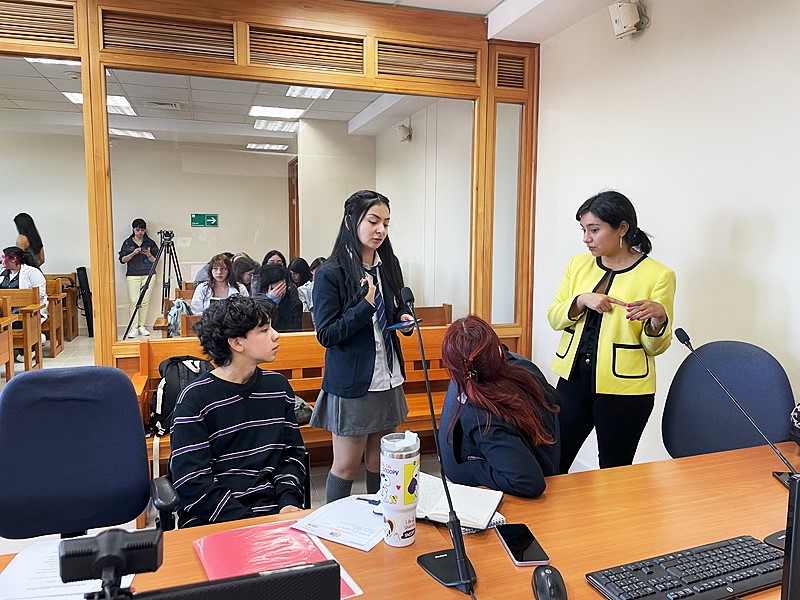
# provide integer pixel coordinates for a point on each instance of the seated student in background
(274, 257)
(306, 291)
(202, 274)
(275, 285)
(221, 283)
(243, 267)
(299, 271)
(236, 447)
(499, 424)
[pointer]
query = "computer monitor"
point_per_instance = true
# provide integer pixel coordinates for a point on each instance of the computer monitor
(317, 581)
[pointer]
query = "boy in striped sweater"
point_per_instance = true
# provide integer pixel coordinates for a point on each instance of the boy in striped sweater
(236, 447)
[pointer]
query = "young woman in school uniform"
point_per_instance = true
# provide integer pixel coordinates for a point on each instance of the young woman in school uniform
(221, 283)
(356, 297)
(614, 306)
(499, 418)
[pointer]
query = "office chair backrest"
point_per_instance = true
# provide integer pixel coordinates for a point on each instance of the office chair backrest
(700, 418)
(73, 452)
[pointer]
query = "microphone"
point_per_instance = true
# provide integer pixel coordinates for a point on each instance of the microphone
(451, 568)
(683, 338)
(785, 540)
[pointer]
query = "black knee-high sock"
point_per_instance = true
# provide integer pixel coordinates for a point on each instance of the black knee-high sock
(336, 487)
(373, 482)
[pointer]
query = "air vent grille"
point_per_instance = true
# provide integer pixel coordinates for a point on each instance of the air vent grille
(511, 71)
(157, 104)
(298, 50)
(37, 22)
(168, 36)
(433, 63)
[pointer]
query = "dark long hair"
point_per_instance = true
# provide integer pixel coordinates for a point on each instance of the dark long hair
(472, 353)
(272, 253)
(346, 253)
(614, 208)
(300, 266)
(26, 227)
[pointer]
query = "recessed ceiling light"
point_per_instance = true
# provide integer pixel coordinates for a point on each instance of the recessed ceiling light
(132, 133)
(117, 105)
(53, 61)
(299, 91)
(276, 112)
(267, 147)
(289, 126)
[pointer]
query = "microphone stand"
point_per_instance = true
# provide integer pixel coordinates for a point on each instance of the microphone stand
(790, 585)
(451, 568)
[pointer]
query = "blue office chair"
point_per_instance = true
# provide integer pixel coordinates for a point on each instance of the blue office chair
(699, 418)
(73, 452)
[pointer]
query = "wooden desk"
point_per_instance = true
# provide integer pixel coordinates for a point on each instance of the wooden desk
(585, 521)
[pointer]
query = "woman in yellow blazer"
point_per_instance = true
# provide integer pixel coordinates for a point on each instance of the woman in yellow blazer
(614, 307)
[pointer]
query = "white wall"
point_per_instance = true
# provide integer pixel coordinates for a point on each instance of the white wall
(45, 176)
(164, 183)
(331, 166)
(427, 181)
(696, 120)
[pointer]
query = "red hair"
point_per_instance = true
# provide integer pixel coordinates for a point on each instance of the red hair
(473, 354)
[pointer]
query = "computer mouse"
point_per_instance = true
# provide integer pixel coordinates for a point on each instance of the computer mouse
(548, 584)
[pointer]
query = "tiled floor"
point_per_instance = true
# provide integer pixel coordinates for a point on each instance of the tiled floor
(80, 352)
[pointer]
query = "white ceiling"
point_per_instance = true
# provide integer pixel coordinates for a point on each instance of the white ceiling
(208, 110)
(514, 20)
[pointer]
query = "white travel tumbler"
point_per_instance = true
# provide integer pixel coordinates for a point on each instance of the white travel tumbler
(399, 481)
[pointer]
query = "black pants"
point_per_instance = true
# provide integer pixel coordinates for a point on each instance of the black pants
(619, 421)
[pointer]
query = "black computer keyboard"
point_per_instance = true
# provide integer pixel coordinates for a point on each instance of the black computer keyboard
(726, 569)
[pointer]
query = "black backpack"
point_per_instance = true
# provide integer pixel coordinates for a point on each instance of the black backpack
(176, 373)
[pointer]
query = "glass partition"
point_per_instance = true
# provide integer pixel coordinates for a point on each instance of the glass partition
(42, 165)
(506, 192)
(231, 166)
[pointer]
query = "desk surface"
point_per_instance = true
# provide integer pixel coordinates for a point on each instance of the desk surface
(585, 521)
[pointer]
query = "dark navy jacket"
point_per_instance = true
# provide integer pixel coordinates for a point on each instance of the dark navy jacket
(498, 456)
(344, 327)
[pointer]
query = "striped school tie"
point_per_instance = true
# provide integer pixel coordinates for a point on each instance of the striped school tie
(380, 309)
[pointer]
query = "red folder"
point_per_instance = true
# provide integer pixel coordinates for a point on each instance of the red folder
(262, 548)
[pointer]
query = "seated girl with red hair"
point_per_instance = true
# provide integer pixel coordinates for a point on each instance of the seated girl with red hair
(499, 425)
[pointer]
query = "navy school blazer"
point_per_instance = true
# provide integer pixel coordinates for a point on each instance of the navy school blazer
(344, 328)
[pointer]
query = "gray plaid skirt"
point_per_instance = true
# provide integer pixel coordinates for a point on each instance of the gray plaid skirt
(371, 413)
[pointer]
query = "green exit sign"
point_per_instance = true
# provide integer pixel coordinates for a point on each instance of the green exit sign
(205, 220)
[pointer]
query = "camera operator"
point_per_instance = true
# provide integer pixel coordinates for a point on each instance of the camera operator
(138, 252)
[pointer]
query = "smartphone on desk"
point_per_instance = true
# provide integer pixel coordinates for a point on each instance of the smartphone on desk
(521, 545)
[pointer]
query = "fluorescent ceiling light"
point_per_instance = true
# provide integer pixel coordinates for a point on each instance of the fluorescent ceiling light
(267, 147)
(53, 61)
(132, 133)
(276, 112)
(117, 105)
(299, 91)
(289, 126)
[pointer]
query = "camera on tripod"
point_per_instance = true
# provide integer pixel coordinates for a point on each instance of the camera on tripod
(166, 235)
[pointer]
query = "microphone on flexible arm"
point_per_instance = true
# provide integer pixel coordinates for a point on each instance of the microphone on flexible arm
(449, 567)
(785, 540)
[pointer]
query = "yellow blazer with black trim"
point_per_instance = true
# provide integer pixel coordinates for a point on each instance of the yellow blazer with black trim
(625, 362)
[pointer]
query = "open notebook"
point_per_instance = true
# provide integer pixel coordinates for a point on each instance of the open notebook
(474, 506)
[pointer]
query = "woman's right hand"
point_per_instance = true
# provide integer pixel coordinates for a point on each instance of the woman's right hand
(277, 289)
(597, 302)
(370, 295)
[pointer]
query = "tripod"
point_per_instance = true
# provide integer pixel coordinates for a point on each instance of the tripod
(167, 246)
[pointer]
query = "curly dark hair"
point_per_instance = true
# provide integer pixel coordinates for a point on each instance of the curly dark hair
(233, 317)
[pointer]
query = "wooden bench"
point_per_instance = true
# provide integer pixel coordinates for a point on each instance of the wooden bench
(67, 283)
(6, 338)
(53, 325)
(28, 337)
(301, 360)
